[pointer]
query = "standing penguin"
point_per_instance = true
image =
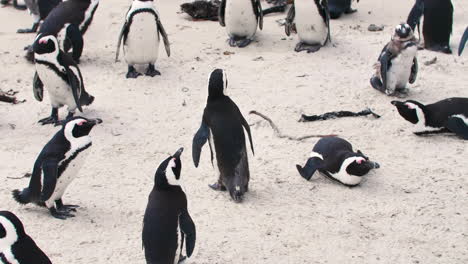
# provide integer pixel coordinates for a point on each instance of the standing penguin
(56, 167)
(438, 21)
(334, 157)
(338, 7)
(448, 115)
(312, 22)
(241, 18)
(167, 223)
(397, 64)
(140, 36)
(39, 9)
(463, 42)
(61, 76)
(223, 125)
(15, 245)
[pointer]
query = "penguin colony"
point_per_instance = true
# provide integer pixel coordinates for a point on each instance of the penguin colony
(169, 232)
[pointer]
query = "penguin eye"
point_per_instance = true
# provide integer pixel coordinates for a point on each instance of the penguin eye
(81, 122)
(409, 106)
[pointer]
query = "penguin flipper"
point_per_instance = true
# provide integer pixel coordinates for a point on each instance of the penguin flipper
(312, 165)
(163, 33)
(327, 19)
(75, 79)
(38, 88)
(463, 42)
(123, 32)
(384, 63)
(199, 140)
(50, 171)
(221, 12)
(414, 71)
(257, 7)
(415, 14)
(290, 20)
(188, 228)
(247, 128)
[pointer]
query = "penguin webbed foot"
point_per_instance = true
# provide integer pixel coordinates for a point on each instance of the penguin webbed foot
(151, 71)
(68, 208)
(27, 30)
(62, 215)
(350, 10)
(182, 258)
(243, 43)
(217, 187)
(132, 73)
(50, 120)
(458, 126)
(440, 48)
(310, 48)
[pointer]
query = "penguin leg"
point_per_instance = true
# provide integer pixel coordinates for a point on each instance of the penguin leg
(444, 48)
(33, 29)
(349, 10)
(458, 126)
(60, 214)
(232, 42)
(52, 119)
(65, 207)
(132, 73)
(310, 48)
(243, 42)
(218, 186)
(151, 71)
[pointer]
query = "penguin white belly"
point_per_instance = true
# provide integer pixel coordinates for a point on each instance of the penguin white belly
(60, 93)
(310, 26)
(400, 71)
(142, 43)
(215, 160)
(346, 178)
(179, 249)
(240, 18)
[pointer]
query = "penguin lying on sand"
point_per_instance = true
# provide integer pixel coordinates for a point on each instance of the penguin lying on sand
(463, 42)
(39, 9)
(448, 115)
(15, 245)
(338, 7)
(56, 167)
(334, 157)
(397, 64)
(167, 223)
(223, 125)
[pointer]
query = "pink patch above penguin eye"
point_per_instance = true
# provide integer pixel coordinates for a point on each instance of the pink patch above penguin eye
(359, 161)
(81, 122)
(409, 106)
(42, 41)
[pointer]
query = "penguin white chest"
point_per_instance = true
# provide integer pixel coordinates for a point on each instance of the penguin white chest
(400, 71)
(142, 43)
(60, 93)
(311, 27)
(240, 18)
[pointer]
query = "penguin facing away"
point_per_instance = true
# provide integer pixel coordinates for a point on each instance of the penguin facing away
(339, 7)
(15, 245)
(223, 126)
(39, 9)
(312, 22)
(56, 167)
(448, 115)
(334, 157)
(463, 42)
(167, 225)
(241, 18)
(58, 72)
(140, 35)
(438, 22)
(397, 63)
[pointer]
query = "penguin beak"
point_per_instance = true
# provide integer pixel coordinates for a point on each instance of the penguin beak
(395, 103)
(178, 153)
(93, 122)
(374, 165)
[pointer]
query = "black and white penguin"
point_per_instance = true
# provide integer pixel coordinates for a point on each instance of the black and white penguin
(15, 4)
(397, 63)
(57, 71)
(335, 158)
(448, 115)
(39, 9)
(223, 125)
(15, 245)
(463, 42)
(167, 223)
(57, 165)
(311, 20)
(140, 36)
(338, 7)
(241, 18)
(437, 25)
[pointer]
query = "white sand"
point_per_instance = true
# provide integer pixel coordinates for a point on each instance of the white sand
(412, 210)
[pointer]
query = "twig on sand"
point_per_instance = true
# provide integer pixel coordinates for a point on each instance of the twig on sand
(281, 135)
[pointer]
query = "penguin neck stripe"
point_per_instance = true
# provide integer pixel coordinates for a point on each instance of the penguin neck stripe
(54, 68)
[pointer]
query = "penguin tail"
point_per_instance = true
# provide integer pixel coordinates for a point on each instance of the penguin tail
(22, 197)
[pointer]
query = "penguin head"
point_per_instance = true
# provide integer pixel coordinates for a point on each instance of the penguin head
(409, 110)
(78, 126)
(361, 165)
(403, 31)
(168, 172)
(217, 84)
(11, 230)
(44, 44)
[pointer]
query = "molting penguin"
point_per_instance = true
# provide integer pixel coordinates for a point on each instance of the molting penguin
(438, 21)
(312, 22)
(140, 35)
(334, 157)
(463, 42)
(397, 64)
(167, 223)
(241, 17)
(61, 76)
(39, 9)
(56, 167)
(448, 115)
(223, 125)
(338, 7)
(15, 245)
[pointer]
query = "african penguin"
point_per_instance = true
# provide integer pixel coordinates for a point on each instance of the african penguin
(202, 9)
(167, 223)
(140, 35)
(16, 247)
(397, 63)
(463, 42)
(334, 157)
(338, 7)
(223, 125)
(241, 18)
(39, 9)
(311, 20)
(57, 71)
(448, 115)
(437, 25)
(57, 165)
